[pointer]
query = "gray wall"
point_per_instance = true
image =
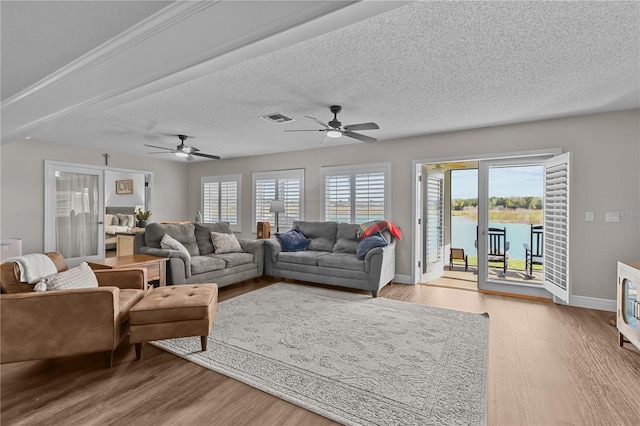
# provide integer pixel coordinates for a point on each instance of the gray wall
(605, 172)
(22, 186)
(606, 176)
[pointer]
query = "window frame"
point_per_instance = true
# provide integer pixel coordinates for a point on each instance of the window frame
(352, 170)
(276, 174)
(237, 178)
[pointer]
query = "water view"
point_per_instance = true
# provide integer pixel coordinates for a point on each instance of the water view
(515, 202)
(463, 235)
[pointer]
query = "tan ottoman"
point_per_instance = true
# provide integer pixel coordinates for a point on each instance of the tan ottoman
(174, 311)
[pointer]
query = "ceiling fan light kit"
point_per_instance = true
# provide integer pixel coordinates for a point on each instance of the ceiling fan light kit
(335, 129)
(183, 151)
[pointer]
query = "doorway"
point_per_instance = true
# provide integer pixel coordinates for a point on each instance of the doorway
(75, 199)
(498, 234)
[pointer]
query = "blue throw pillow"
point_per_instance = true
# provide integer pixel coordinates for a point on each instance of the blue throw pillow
(293, 240)
(371, 242)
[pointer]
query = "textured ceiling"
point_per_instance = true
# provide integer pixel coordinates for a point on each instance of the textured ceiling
(422, 68)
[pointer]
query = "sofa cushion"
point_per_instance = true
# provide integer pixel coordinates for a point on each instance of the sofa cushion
(341, 261)
(321, 234)
(346, 240)
(300, 257)
(183, 232)
(203, 234)
(233, 259)
(225, 243)
(292, 240)
(371, 242)
(202, 264)
(81, 276)
(171, 243)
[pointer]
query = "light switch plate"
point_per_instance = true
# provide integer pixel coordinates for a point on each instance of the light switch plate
(588, 216)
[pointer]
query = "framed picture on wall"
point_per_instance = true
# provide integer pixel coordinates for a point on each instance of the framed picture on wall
(124, 186)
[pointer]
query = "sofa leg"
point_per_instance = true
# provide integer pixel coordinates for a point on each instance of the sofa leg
(374, 293)
(203, 342)
(138, 350)
(108, 359)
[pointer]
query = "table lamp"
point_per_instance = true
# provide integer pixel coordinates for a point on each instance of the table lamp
(277, 206)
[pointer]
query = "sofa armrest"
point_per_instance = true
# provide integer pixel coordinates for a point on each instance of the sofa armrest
(38, 325)
(171, 254)
(379, 254)
(255, 247)
(272, 248)
(122, 278)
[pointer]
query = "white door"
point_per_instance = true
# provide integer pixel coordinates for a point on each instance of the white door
(554, 176)
(556, 227)
(433, 251)
(74, 212)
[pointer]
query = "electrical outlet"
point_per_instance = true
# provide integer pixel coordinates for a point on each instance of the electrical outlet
(588, 216)
(611, 217)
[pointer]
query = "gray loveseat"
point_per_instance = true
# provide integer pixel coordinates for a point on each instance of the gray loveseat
(331, 258)
(202, 265)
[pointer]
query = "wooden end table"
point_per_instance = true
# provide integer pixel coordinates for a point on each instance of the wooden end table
(156, 266)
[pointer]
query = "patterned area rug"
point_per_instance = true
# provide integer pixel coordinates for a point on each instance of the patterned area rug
(349, 357)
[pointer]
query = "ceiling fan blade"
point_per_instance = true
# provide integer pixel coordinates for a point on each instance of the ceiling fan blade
(362, 126)
(161, 152)
(316, 130)
(317, 121)
(152, 138)
(159, 147)
(360, 137)
(200, 154)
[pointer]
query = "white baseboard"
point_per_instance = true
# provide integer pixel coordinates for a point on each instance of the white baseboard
(403, 279)
(593, 303)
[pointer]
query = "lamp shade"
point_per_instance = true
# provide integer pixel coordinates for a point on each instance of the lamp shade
(277, 206)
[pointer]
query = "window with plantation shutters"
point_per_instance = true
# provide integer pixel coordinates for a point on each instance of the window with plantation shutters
(355, 194)
(221, 200)
(285, 185)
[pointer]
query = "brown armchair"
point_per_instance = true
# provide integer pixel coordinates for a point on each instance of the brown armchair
(41, 325)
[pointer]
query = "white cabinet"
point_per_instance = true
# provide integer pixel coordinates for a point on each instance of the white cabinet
(628, 304)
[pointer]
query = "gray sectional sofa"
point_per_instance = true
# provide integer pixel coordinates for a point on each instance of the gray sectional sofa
(331, 258)
(202, 265)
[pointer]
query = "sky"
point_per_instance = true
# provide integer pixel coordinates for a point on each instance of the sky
(514, 181)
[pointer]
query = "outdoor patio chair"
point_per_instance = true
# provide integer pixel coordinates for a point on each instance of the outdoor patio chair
(533, 250)
(457, 254)
(498, 247)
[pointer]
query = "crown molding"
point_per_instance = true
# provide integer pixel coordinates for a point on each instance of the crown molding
(190, 33)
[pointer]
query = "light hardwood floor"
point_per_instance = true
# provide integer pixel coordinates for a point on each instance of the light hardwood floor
(549, 365)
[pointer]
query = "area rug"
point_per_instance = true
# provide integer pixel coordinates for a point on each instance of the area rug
(349, 357)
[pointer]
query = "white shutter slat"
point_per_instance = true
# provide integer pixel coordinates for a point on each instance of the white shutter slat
(556, 226)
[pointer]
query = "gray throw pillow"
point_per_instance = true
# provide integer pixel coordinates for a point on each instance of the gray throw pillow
(225, 243)
(171, 243)
(203, 235)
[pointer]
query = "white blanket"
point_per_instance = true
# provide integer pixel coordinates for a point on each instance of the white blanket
(33, 267)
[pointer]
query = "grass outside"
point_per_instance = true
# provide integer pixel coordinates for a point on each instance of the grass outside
(512, 264)
(500, 215)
